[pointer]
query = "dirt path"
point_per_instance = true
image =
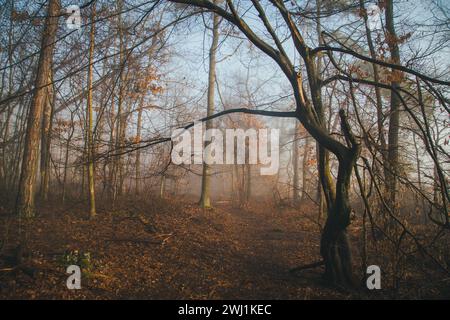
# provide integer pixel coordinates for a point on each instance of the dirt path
(268, 245)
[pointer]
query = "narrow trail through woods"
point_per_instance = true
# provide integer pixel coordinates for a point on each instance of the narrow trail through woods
(266, 247)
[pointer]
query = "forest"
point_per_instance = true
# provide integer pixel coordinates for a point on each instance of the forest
(224, 149)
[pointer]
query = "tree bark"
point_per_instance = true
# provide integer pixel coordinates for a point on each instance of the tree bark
(120, 130)
(295, 156)
(305, 171)
(205, 201)
(66, 160)
(27, 181)
(138, 138)
(394, 118)
(90, 121)
(46, 140)
(334, 247)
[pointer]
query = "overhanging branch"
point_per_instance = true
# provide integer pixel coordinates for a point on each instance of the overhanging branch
(154, 141)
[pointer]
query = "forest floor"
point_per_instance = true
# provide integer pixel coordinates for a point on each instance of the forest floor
(165, 250)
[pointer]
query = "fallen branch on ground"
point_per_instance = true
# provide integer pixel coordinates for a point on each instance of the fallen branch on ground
(148, 241)
(308, 266)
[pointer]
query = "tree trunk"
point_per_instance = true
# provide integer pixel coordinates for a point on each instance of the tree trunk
(138, 138)
(376, 77)
(420, 204)
(117, 162)
(46, 140)
(305, 171)
(26, 192)
(66, 160)
(90, 120)
(111, 162)
(6, 121)
(394, 119)
(334, 247)
(205, 201)
(295, 156)
(319, 151)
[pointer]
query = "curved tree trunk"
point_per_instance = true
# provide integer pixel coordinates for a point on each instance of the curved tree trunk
(335, 248)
